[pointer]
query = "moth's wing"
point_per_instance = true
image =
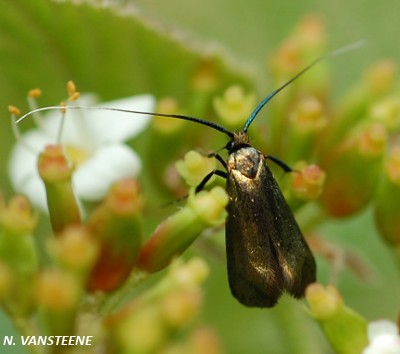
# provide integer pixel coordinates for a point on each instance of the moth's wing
(295, 259)
(253, 270)
(266, 251)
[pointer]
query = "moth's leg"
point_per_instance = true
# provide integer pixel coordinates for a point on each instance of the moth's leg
(202, 184)
(219, 158)
(280, 163)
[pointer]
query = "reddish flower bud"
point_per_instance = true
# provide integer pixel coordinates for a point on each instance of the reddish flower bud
(307, 183)
(348, 187)
(386, 202)
(116, 225)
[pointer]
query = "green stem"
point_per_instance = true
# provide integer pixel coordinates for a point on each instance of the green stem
(310, 215)
(111, 302)
(27, 328)
(396, 253)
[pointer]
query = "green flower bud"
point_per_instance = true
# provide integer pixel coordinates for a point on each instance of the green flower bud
(234, 107)
(345, 329)
(188, 275)
(381, 77)
(18, 255)
(205, 78)
(386, 202)
(179, 308)
(359, 104)
(204, 341)
(164, 126)
(307, 120)
(306, 43)
(76, 250)
(204, 82)
(387, 112)
(146, 324)
(177, 233)
(56, 174)
(5, 281)
(18, 217)
(139, 332)
(58, 295)
(194, 167)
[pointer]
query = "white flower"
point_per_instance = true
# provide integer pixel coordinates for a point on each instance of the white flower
(94, 142)
(383, 338)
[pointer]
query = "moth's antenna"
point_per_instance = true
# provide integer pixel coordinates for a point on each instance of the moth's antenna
(335, 52)
(213, 125)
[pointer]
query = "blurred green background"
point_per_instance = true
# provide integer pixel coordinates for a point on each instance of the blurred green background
(153, 46)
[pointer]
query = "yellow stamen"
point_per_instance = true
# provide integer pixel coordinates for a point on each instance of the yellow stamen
(35, 93)
(76, 155)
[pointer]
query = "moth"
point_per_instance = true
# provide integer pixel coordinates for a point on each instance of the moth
(267, 254)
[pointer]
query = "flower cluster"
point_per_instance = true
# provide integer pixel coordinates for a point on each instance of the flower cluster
(97, 250)
(79, 167)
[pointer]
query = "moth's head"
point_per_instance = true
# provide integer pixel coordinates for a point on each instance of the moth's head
(240, 139)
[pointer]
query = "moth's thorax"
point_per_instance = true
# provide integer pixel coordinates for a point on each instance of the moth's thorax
(240, 138)
(246, 161)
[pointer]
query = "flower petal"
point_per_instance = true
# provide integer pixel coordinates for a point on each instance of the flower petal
(91, 128)
(385, 344)
(110, 163)
(383, 337)
(381, 327)
(75, 130)
(114, 127)
(22, 167)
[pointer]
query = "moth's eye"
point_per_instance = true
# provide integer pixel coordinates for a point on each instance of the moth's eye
(230, 145)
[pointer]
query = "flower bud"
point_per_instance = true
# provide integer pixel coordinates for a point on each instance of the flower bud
(18, 255)
(381, 77)
(348, 188)
(5, 281)
(359, 104)
(386, 202)
(387, 112)
(307, 119)
(18, 217)
(345, 329)
(177, 233)
(141, 331)
(168, 105)
(58, 295)
(145, 325)
(234, 107)
(204, 341)
(190, 274)
(116, 226)
(204, 82)
(311, 32)
(180, 307)
(306, 43)
(56, 174)
(307, 181)
(205, 78)
(194, 167)
(75, 249)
